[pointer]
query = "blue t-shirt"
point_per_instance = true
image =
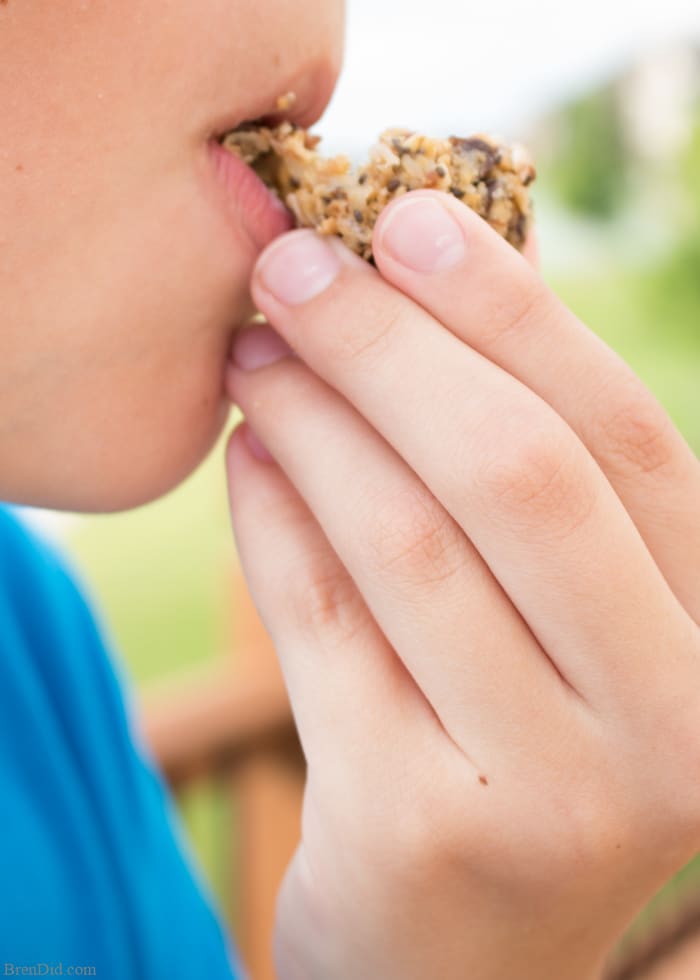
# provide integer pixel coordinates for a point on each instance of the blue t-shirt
(94, 870)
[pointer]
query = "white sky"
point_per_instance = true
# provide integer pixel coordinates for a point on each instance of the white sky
(467, 65)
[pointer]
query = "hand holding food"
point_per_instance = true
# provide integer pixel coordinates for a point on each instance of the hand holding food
(477, 554)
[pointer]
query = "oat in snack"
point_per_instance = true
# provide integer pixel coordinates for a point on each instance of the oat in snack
(334, 197)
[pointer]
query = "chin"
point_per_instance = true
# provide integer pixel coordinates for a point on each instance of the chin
(121, 480)
(151, 478)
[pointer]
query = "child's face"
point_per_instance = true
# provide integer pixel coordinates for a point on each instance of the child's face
(123, 265)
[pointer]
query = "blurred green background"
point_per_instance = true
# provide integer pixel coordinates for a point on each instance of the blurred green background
(619, 233)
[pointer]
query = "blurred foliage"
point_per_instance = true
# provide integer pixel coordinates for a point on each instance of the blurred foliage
(665, 353)
(672, 288)
(690, 172)
(589, 164)
(161, 574)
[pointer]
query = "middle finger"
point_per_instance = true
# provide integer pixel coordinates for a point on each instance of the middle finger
(428, 590)
(496, 303)
(507, 468)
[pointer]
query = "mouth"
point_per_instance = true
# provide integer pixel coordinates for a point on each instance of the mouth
(253, 205)
(252, 202)
(300, 110)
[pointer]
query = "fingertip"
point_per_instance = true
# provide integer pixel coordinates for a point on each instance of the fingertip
(244, 442)
(235, 446)
(387, 212)
(256, 447)
(474, 226)
(279, 242)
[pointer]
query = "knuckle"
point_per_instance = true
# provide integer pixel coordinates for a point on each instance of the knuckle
(524, 304)
(323, 603)
(538, 483)
(412, 537)
(634, 433)
(367, 334)
(672, 768)
(419, 842)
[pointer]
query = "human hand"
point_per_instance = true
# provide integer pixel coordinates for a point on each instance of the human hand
(479, 560)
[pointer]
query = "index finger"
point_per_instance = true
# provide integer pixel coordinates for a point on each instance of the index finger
(502, 462)
(496, 303)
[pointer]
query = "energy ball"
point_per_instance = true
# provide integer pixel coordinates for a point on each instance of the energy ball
(335, 198)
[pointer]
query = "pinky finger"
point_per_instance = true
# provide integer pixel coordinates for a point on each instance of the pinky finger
(350, 693)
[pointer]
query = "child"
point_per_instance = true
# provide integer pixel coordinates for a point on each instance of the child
(470, 531)
(124, 267)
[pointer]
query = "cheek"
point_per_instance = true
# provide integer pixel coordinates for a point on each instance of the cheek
(113, 370)
(157, 403)
(114, 383)
(162, 356)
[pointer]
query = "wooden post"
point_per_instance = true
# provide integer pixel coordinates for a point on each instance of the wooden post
(269, 785)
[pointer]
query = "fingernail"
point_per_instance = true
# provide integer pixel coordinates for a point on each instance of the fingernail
(255, 347)
(256, 447)
(422, 235)
(298, 268)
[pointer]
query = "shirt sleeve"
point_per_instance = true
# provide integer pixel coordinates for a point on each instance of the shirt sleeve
(94, 867)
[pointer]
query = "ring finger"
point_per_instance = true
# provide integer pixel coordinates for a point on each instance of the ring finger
(500, 460)
(428, 589)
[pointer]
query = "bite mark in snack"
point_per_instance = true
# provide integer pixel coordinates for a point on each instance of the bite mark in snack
(328, 194)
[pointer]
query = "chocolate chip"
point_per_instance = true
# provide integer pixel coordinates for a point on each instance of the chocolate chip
(490, 188)
(519, 228)
(475, 145)
(440, 171)
(393, 185)
(362, 179)
(294, 183)
(358, 216)
(458, 192)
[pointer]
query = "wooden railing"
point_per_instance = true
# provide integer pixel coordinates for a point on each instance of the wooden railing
(231, 724)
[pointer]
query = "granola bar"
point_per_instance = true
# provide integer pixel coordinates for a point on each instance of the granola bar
(330, 195)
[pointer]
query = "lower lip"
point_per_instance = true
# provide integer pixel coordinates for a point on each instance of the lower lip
(261, 213)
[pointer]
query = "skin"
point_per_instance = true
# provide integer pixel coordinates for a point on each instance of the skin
(122, 276)
(476, 547)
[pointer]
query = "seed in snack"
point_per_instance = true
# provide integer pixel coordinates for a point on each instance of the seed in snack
(327, 194)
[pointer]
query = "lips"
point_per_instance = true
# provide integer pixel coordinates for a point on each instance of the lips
(250, 202)
(312, 91)
(256, 207)
(253, 204)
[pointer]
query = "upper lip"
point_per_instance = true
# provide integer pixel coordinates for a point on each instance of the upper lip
(312, 92)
